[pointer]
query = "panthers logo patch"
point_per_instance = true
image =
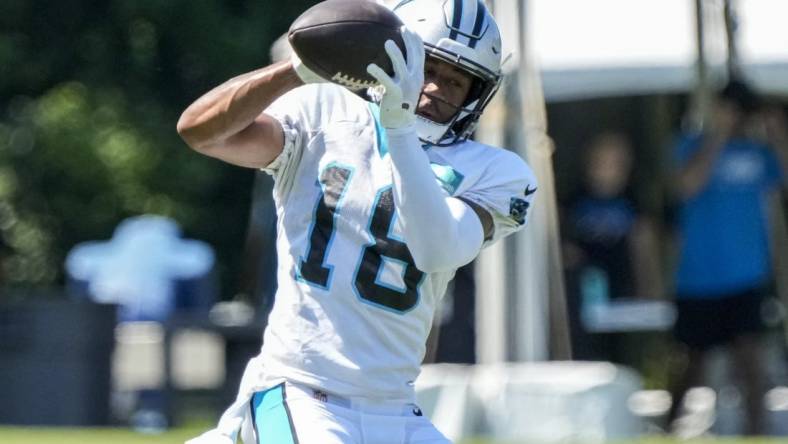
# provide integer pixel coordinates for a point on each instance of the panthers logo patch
(517, 209)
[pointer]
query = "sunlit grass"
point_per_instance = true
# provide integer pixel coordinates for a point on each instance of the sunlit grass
(55, 435)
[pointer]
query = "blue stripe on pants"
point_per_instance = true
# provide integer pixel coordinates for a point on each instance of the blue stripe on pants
(272, 421)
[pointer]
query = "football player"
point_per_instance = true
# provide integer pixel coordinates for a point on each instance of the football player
(378, 203)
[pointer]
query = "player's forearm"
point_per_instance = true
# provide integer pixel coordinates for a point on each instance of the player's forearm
(442, 233)
(233, 106)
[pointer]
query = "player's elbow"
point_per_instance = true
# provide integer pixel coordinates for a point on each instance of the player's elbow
(187, 130)
(443, 263)
(190, 131)
(441, 258)
(431, 263)
(447, 247)
(423, 261)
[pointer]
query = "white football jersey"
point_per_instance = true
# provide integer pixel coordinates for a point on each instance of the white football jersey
(352, 312)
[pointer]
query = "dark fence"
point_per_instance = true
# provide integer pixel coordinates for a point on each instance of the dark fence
(55, 358)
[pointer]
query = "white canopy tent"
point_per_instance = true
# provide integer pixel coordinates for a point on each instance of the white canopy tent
(615, 47)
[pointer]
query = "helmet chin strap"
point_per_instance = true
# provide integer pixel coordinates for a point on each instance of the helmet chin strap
(433, 132)
(429, 131)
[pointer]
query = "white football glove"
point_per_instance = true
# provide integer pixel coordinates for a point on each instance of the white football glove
(305, 74)
(401, 96)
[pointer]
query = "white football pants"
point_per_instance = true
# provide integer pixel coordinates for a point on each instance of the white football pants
(296, 414)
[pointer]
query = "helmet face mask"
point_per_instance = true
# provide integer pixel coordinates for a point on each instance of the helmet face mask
(460, 124)
(463, 34)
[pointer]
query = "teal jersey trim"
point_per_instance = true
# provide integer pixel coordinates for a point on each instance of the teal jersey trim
(380, 132)
(271, 417)
(449, 178)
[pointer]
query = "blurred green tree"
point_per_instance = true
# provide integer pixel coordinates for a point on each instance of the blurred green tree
(90, 91)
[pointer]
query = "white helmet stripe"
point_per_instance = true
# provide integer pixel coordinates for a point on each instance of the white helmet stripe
(477, 26)
(469, 24)
(456, 19)
(468, 20)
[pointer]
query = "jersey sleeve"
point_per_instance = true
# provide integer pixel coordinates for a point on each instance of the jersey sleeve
(506, 191)
(291, 111)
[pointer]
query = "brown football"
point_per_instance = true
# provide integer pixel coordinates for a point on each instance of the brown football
(337, 39)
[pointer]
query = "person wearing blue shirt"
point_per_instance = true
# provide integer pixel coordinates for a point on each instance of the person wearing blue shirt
(609, 246)
(724, 180)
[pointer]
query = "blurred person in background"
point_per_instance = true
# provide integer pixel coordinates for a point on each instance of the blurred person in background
(724, 177)
(609, 245)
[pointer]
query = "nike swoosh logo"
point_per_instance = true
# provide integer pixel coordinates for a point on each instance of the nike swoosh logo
(529, 191)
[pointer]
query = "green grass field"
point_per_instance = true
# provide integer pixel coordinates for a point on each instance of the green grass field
(40, 435)
(19, 435)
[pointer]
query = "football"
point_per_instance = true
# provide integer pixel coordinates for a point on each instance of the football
(337, 39)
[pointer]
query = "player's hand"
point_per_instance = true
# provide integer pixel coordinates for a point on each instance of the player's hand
(401, 96)
(305, 74)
